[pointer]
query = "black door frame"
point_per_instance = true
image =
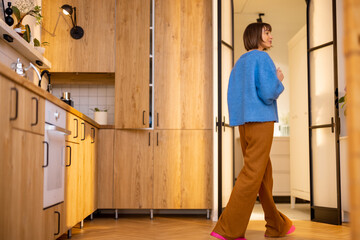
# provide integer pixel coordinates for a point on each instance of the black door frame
(219, 122)
(325, 214)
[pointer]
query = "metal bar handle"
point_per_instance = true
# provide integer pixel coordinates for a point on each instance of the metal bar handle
(332, 125)
(157, 139)
(224, 124)
(93, 135)
(149, 139)
(47, 154)
(68, 165)
(77, 128)
(37, 111)
(83, 131)
(16, 103)
(144, 117)
(157, 119)
(58, 231)
(58, 129)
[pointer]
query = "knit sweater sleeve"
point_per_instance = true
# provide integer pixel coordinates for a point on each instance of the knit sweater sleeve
(268, 86)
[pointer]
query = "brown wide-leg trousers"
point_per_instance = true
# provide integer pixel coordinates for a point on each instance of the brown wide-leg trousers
(255, 177)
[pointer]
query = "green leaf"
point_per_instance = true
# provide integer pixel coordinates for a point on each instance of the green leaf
(342, 99)
(97, 110)
(16, 12)
(27, 33)
(36, 42)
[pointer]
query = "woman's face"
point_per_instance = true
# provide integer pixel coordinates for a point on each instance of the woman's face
(267, 39)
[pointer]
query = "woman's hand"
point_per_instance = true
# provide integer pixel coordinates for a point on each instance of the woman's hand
(279, 74)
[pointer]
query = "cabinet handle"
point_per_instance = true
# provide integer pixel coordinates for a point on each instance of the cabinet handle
(149, 138)
(224, 123)
(93, 135)
(58, 231)
(70, 156)
(144, 117)
(157, 119)
(83, 131)
(47, 154)
(216, 124)
(157, 139)
(37, 111)
(77, 128)
(16, 103)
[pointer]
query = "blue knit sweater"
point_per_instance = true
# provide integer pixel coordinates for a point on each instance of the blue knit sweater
(253, 89)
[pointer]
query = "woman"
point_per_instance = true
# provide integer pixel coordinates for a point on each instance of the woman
(254, 86)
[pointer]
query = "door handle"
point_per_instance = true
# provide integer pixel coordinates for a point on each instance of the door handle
(37, 111)
(331, 125)
(83, 124)
(77, 128)
(93, 135)
(16, 103)
(70, 156)
(47, 154)
(58, 231)
(144, 117)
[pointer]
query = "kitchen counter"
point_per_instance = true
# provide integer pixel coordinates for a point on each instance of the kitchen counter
(11, 75)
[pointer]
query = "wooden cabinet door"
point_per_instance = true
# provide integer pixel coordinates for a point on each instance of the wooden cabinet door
(36, 115)
(183, 65)
(196, 169)
(22, 199)
(73, 125)
(81, 172)
(54, 222)
(105, 166)
(133, 169)
(72, 184)
(132, 64)
(167, 169)
(183, 169)
(88, 171)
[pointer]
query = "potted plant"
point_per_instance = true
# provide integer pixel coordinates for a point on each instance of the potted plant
(40, 46)
(100, 116)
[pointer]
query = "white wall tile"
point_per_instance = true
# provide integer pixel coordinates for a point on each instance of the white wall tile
(93, 91)
(84, 100)
(102, 91)
(110, 91)
(101, 101)
(84, 92)
(93, 100)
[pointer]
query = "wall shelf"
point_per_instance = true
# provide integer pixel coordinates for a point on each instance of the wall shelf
(19, 44)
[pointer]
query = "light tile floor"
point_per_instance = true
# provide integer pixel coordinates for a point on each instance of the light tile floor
(300, 212)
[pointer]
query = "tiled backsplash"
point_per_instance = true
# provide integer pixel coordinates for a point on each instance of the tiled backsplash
(88, 97)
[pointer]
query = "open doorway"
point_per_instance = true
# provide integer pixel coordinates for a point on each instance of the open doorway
(288, 21)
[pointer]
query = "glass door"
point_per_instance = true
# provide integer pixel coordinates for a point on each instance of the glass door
(325, 194)
(225, 132)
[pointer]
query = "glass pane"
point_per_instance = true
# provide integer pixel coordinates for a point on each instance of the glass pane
(227, 164)
(226, 64)
(324, 168)
(321, 27)
(322, 86)
(226, 21)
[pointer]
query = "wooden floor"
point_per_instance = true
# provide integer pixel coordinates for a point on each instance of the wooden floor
(192, 227)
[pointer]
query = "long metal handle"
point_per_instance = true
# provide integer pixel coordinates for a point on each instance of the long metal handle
(157, 139)
(68, 165)
(83, 131)
(149, 139)
(157, 119)
(77, 128)
(37, 111)
(144, 118)
(47, 154)
(93, 135)
(58, 213)
(224, 124)
(57, 129)
(16, 103)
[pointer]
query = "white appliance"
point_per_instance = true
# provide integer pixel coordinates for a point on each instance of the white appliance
(54, 154)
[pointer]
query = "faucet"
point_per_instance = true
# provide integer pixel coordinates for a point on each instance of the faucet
(49, 87)
(18, 67)
(37, 71)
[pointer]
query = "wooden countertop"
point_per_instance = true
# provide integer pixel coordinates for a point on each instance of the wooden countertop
(11, 75)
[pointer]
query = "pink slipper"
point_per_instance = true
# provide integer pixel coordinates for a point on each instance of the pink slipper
(291, 230)
(214, 234)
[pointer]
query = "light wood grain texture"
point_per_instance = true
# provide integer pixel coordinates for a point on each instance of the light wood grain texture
(133, 169)
(179, 228)
(352, 53)
(167, 169)
(72, 185)
(132, 64)
(73, 125)
(196, 169)
(80, 176)
(21, 212)
(83, 78)
(52, 220)
(105, 167)
(94, 52)
(183, 64)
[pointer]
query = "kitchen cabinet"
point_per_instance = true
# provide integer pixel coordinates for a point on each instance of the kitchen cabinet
(183, 65)
(182, 158)
(132, 64)
(22, 184)
(54, 222)
(27, 110)
(133, 169)
(72, 184)
(73, 125)
(105, 166)
(94, 52)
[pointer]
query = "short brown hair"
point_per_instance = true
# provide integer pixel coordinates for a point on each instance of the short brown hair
(253, 35)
